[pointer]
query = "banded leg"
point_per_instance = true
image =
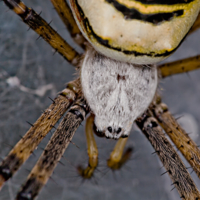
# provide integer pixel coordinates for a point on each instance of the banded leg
(177, 171)
(117, 158)
(40, 26)
(92, 150)
(24, 148)
(179, 137)
(54, 151)
(66, 15)
(180, 66)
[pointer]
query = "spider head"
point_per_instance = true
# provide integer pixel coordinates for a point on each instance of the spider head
(117, 92)
(112, 132)
(113, 129)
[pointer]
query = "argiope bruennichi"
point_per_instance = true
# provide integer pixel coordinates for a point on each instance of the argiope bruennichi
(118, 80)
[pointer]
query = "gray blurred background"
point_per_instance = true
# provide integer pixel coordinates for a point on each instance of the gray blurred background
(30, 73)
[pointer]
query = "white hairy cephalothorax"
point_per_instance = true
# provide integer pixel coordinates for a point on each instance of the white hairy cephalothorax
(117, 92)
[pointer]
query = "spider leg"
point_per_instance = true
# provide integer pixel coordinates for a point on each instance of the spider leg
(196, 25)
(40, 26)
(23, 149)
(92, 150)
(66, 15)
(54, 150)
(177, 171)
(180, 66)
(178, 136)
(117, 157)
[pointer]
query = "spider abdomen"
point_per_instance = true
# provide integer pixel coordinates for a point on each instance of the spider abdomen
(141, 32)
(117, 92)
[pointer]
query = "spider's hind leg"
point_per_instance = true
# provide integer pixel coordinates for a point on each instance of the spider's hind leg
(41, 27)
(180, 66)
(66, 15)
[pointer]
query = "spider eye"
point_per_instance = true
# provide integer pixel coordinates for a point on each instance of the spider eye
(118, 131)
(110, 129)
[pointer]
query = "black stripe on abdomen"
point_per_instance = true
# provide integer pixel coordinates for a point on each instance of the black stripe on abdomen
(165, 2)
(132, 13)
(105, 42)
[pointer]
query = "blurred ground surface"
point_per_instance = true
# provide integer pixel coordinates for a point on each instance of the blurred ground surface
(25, 61)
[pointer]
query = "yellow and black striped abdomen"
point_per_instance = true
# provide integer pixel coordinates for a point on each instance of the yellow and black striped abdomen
(136, 31)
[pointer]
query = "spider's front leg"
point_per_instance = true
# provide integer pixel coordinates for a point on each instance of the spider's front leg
(175, 168)
(178, 136)
(24, 148)
(54, 150)
(49, 118)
